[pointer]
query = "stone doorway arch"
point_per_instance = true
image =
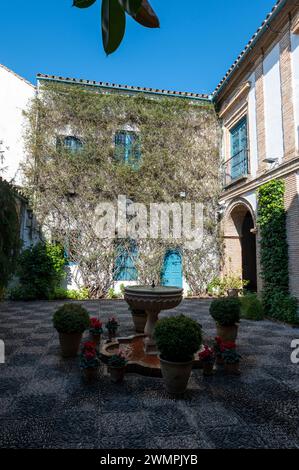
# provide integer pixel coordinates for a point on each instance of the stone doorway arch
(240, 244)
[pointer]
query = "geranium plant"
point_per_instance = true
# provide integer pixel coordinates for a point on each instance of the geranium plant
(118, 361)
(207, 355)
(89, 357)
(229, 353)
(96, 327)
(112, 325)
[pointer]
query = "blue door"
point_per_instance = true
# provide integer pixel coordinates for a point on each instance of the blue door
(172, 273)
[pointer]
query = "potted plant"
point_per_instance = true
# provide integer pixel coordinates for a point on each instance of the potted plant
(218, 348)
(117, 367)
(207, 358)
(112, 326)
(178, 339)
(95, 330)
(231, 358)
(89, 360)
(70, 320)
(139, 319)
(226, 312)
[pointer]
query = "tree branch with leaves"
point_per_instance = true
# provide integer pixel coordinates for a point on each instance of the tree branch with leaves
(114, 18)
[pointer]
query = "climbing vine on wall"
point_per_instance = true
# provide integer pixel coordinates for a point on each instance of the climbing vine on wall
(9, 234)
(274, 252)
(179, 153)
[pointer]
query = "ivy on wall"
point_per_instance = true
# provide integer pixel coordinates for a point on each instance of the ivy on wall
(9, 234)
(277, 301)
(179, 146)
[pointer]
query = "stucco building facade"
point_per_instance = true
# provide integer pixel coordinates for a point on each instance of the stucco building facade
(258, 108)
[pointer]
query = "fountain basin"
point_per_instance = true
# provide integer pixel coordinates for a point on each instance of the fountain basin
(139, 362)
(152, 300)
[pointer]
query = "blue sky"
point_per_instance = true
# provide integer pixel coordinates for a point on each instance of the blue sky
(197, 42)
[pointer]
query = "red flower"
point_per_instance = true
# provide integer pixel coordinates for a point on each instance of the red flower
(89, 354)
(229, 345)
(89, 345)
(207, 353)
(95, 323)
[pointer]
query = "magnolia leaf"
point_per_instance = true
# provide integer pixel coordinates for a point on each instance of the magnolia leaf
(131, 6)
(146, 16)
(113, 24)
(83, 3)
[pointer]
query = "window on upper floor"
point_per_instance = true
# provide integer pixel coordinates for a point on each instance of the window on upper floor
(124, 266)
(71, 143)
(127, 147)
(237, 166)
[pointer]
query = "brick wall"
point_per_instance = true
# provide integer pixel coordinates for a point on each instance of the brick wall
(287, 97)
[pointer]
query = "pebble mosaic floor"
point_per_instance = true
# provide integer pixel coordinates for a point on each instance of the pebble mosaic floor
(44, 403)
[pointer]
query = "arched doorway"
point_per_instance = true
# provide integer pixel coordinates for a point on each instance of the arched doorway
(240, 243)
(172, 271)
(248, 243)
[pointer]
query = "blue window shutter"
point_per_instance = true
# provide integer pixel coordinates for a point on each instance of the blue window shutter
(124, 267)
(74, 144)
(239, 140)
(127, 147)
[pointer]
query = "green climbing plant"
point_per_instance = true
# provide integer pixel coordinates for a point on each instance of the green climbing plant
(277, 301)
(179, 152)
(9, 234)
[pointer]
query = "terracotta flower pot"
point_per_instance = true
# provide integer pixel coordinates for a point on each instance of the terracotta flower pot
(208, 369)
(70, 343)
(234, 293)
(139, 320)
(232, 369)
(219, 361)
(117, 374)
(96, 339)
(176, 375)
(91, 374)
(227, 333)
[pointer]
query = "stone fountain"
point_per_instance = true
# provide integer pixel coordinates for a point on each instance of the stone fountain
(141, 350)
(152, 300)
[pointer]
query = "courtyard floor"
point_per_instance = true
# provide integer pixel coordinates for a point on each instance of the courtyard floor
(45, 404)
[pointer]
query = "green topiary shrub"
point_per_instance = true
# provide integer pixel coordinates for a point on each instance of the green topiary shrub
(178, 338)
(226, 311)
(251, 307)
(40, 271)
(71, 318)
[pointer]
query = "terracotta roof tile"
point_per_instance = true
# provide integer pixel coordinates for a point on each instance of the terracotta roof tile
(137, 89)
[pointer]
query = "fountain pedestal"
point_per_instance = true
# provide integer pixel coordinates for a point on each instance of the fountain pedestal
(149, 342)
(152, 300)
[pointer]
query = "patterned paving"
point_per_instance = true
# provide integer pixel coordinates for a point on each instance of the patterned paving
(45, 403)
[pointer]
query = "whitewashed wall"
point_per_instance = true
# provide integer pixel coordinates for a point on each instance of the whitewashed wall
(253, 149)
(295, 72)
(273, 110)
(251, 198)
(15, 94)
